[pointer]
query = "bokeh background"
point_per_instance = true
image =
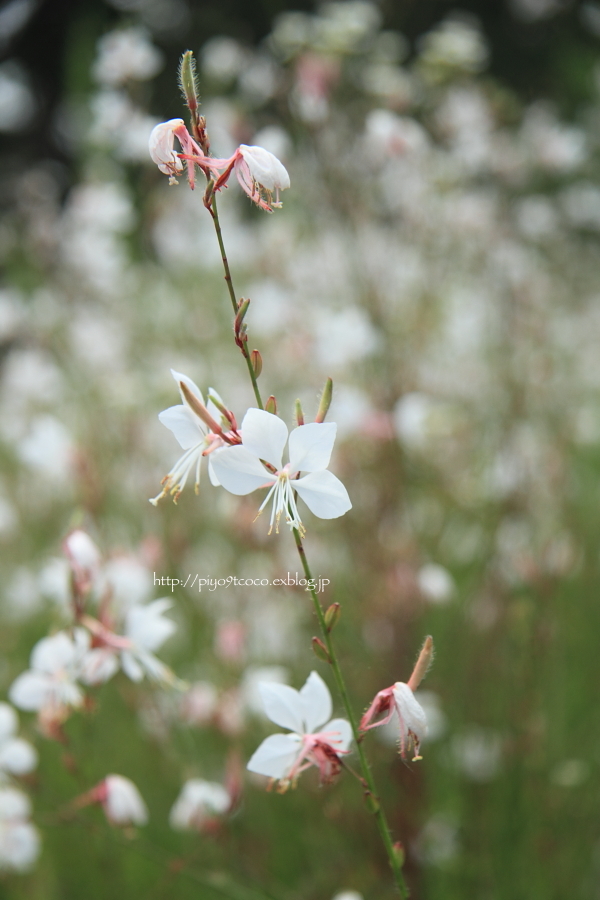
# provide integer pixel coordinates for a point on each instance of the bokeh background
(437, 255)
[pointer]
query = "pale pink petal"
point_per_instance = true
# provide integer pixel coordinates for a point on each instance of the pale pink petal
(275, 756)
(187, 428)
(324, 494)
(283, 705)
(317, 702)
(238, 470)
(264, 435)
(311, 446)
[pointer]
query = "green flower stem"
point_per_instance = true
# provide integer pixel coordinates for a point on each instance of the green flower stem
(367, 776)
(213, 210)
(368, 779)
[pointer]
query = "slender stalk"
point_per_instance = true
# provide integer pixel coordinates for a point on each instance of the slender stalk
(368, 779)
(367, 776)
(213, 210)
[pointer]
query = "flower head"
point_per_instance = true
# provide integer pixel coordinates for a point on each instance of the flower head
(241, 469)
(310, 742)
(119, 798)
(261, 176)
(199, 435)
(50, 686)
(198, 803)
(399, 700)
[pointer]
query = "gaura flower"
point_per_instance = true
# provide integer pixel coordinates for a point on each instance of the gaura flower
(261, 175)
(400, 701)
(120, 799)
(19, 840)
(241, 469)
(197, 436)
(17, 757)
(199, 803)
(145, 630)
(50, 684)
(284, 756)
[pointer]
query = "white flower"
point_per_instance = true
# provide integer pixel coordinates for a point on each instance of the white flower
(258, 169)
(17, 757)
(198, 801)
(284, 756)
(122, 802)
(240, 470)
(398, 702)
(162, 146)
(194, 437)
(145, 630)
(50, 683)
(19, 840)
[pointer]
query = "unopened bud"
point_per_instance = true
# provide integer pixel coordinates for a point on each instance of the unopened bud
(271, 405)
(199, 408)
(372, 803)
(299, 413)
(241, 312)
(332, 616)
(422, 665)
(320, 650)
(325, 401)
(399, 854)
(256, 360)
(208, 193)
(188, 81)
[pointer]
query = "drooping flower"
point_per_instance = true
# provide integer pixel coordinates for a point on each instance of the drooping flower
(145, 630)
(198, 803)
(17, 756)
(261, 175)
(241, 469)
(310, 742)
(198, 435)
(119, 798)
(50, 686)
(400, 701)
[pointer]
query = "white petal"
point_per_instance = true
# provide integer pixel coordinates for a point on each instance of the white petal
(18, 757)
(131, 667)
(14, 804)
(264, 435)
(317, 702)
(187, 428)
(124, 804)
(147, 627)
(20, 846)
(265, 168)
(211, 472)
(190, 385)
(324, 494)
(311, 446)
(283, 705)
(30, 690)
(52, 654)
(9, 721)
(275, 756)
(410, 712)
(238, 470)
(99, 666)
(342, 734)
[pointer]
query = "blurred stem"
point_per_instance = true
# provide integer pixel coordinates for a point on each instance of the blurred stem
(213, 210)
(369, 782)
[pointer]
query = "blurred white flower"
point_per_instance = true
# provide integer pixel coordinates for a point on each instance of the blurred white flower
(284, 756)
(122, 802)
(19, 840)
(264, 436)
(435, 583)
(477, 753)
(348, 895)
(48, 448)
(50, 685)
(126, 54)
(17, 756)
(454, 44)
(198, 802)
